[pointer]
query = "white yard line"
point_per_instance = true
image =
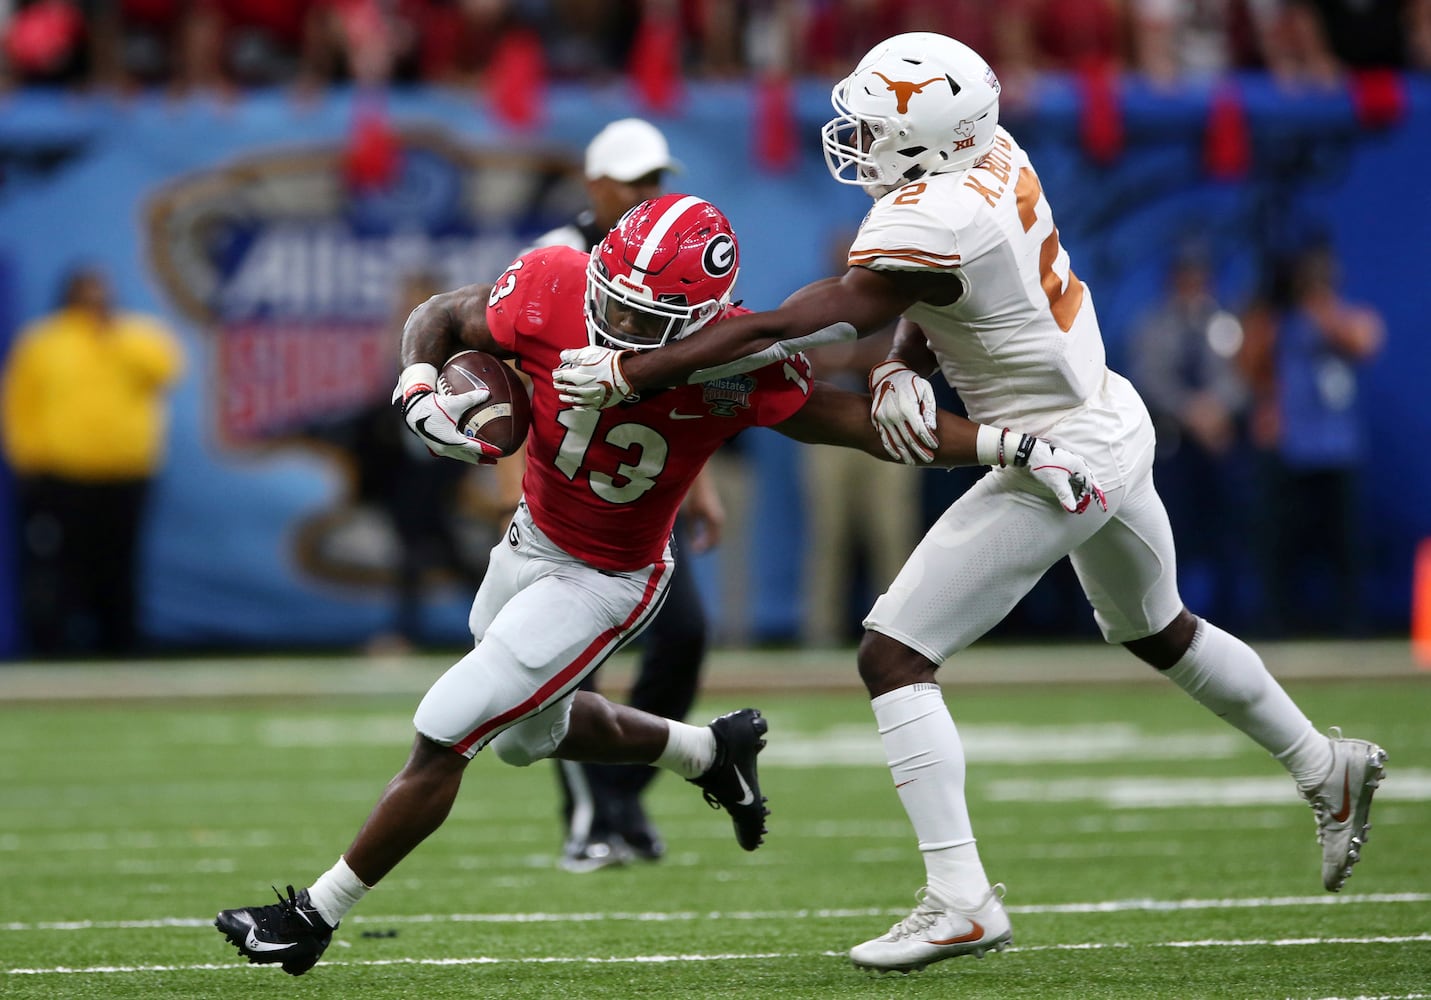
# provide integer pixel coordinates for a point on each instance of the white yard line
(1107, 906)
(725, 957)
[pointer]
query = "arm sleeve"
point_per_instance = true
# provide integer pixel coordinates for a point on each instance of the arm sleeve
(779, 351)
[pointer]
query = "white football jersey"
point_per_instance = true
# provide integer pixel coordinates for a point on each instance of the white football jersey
(1022, 345)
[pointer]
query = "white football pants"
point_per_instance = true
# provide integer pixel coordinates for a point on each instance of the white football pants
(542, 620)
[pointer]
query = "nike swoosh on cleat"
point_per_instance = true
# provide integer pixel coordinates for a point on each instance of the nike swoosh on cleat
(749, 795)
(1340, 816)
(973, 935)
(252, 943)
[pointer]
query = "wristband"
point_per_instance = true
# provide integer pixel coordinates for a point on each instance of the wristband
(989, 445)
(1025, 448)
(418, 378)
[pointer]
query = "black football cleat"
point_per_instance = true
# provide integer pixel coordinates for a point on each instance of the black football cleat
(289, 931)
(731, 783)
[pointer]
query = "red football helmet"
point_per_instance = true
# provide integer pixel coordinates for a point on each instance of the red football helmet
(666, 270)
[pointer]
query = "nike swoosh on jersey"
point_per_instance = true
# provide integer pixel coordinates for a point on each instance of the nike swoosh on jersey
(749, 796)
(252, 943)
(975, 934)
(678, 415)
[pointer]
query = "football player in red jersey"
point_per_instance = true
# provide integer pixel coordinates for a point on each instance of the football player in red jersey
(587, 558)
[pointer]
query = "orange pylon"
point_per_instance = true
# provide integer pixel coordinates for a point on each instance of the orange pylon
(1421, 606)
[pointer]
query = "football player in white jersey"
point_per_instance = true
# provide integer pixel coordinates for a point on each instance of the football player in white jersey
(961, 244)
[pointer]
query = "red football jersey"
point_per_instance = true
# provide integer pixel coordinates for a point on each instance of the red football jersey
(605, 485)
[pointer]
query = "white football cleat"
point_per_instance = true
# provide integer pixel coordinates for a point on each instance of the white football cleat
(1342, 803)
(936, 931)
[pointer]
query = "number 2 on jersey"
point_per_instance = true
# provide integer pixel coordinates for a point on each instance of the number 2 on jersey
(1065, 296)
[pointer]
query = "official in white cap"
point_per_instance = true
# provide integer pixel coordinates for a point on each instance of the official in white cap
(626, 164)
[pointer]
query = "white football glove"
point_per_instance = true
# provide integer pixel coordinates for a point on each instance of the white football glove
(903, 411)
(590, 378)
(433, 416)
(1059, 469)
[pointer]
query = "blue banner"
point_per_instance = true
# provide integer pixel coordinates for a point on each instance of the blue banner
(250, 227)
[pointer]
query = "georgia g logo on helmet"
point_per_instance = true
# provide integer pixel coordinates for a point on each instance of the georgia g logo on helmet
(719, 257)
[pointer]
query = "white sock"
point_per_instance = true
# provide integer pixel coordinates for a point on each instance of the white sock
(926, 761)
(1310, 752)
(336, 892)
(1226, 675)
(690, 750)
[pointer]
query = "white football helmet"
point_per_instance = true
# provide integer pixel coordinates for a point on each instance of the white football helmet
(917, 104)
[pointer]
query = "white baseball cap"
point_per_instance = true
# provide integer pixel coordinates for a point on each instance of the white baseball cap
(627, 150)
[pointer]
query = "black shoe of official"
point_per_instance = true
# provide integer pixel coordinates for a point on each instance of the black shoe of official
(636, 829)
(731, 783)
(289, 931)
(593, 853)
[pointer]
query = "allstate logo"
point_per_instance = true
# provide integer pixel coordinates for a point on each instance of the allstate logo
(303, 282)
(301, 279)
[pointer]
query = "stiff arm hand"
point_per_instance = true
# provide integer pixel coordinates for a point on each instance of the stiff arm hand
(434, 416)
(590, 378)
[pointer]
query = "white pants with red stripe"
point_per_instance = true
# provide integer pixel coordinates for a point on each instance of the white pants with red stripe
(542, 621)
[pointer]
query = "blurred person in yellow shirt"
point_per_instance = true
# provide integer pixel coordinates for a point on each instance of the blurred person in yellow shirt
(84, 421)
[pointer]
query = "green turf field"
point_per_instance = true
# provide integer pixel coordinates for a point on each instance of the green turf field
(1149, 851)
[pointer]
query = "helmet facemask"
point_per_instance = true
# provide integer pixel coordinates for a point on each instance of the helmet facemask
(859, 149)
(621, 312)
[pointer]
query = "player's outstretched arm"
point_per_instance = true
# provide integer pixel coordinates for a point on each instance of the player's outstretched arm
(839, 417)
(865, 300)
(859, 302)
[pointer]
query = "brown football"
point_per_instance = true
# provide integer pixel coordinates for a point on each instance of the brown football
(503, 420)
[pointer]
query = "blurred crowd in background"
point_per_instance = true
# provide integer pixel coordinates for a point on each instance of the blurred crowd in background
(1260, 432)
(188, 45)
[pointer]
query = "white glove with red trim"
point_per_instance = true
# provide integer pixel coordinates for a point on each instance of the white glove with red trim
(1063, 472)
(435, 417)
(903, 411)
(590, 378)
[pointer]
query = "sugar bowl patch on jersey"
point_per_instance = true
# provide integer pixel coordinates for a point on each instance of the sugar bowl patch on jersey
(723, 396)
